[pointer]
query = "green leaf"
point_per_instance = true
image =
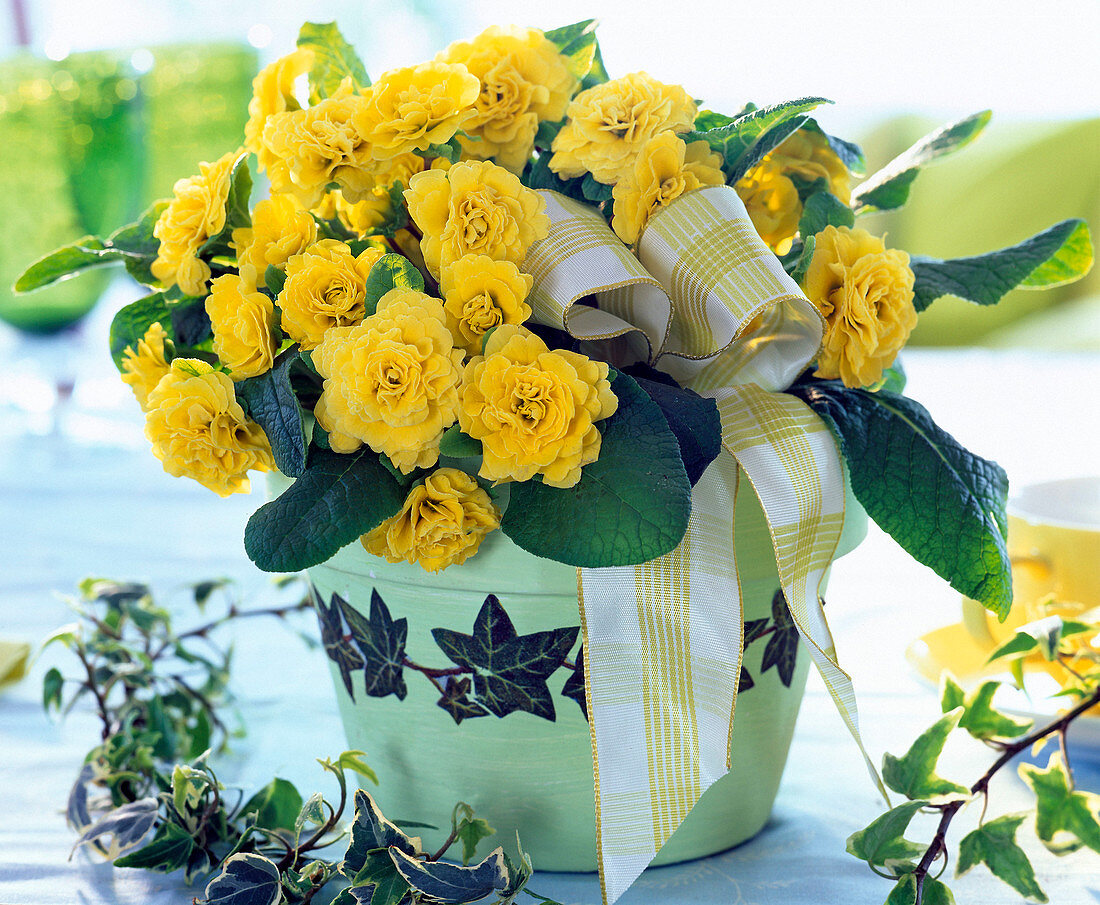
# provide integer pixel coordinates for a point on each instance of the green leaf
(245, 879)
(312, 812)
(944, 505)
(692, 418)
(274, 279)
(334, 59)
(577, 43)
(824, 209)
(337, 499)
(371, 831)
(882, 843)
(458, 445)
(805, 256)
(980, 718)
(190, 323)
(450, 884)
(630, 506)
(469, 830)
(139, 245)
(130, 323)
(390, 271)
(743, 142)
(381, 641)
(52, 684)
(782, 649)
(905, 892)
(270, 401)
(449, 151)
(1058, 255)
(276, 805)
(913, 775)
(594, 191)
(1065, 819)
(353, 760)
(380, 878)
(994, 844)
(510, 670)
(889, 187)
(168, 850)
(850, 154)
(893, 379)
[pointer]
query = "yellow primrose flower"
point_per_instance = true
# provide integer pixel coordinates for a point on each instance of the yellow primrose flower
(865, 293)
(534, 410)
(770, 194)
(241, 319)
(273, 92)
(524, 80)
(609, 123)
(199, 430)
(281, 228)
(411, 108)
(392, 381)
(442, 523)
(482, 294)
(310, 148)
(196, 213)
(663, 171)
(324, 288)
(475, 207)
(143, 369)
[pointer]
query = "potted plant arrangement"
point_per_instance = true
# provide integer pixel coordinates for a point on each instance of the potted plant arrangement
(512, 336)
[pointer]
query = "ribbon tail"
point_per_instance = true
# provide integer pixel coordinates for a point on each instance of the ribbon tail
(663, 647)
(791, 460)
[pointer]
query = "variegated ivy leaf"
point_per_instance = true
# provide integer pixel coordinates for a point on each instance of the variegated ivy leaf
(450, 884)
(934, 892)
(126, 826)
(883, 844)
(913, 775)
(370, 831)
(1065, 819)
(980, 718)
(246, 879)
(994, 844)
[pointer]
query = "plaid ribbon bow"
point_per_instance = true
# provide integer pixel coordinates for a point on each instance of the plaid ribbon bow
(708, 300)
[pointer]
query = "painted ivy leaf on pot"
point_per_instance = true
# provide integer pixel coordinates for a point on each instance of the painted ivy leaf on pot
(338, 646)
(381, 640)
(782, 650)
(510, 670)
(456, 700)
(574, 685)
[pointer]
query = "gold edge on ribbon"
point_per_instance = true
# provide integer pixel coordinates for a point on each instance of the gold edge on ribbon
(629, 328)
(592, 734)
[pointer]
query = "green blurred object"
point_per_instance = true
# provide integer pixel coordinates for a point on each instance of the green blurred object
(195, 107)
(69, 158)
(1013, 182)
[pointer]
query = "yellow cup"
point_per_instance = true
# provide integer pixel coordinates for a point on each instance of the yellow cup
(1054, 546)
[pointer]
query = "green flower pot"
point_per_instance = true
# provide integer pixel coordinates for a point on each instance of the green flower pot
(530, 770)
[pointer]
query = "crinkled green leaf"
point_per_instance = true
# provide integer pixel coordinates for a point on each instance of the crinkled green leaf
(994, 844)
(631, 505)
(882, 843)
(334, 59)
(390, 271)
(270, 401)
(1065, 819)
(510, 670)
(889, 187)
(743, 142)
(245, 879)
(449, 883)
(337, 499)
(274, 279)
(944, 505)
(913, 775)
(458, 445)
(824, 209)
(1056, 256)
(577, 43)
(236, 209)
(130, 323)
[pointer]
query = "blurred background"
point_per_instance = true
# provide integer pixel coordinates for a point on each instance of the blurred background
(104, 106)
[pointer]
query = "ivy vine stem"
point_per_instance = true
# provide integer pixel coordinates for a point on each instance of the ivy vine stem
(938, 845)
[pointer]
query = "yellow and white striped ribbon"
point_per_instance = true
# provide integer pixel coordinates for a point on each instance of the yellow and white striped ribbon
(663, 639)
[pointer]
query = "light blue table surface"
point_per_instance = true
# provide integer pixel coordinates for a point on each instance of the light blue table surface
(91, 500)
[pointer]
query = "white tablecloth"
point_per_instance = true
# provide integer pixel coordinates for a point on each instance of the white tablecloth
(95, 502)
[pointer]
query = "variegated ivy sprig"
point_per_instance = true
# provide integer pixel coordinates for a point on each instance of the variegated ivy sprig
(1065, 818)
(148, 798)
